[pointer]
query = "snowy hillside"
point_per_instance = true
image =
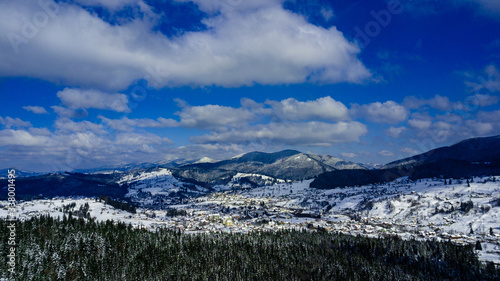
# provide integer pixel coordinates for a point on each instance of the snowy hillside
(158, 188)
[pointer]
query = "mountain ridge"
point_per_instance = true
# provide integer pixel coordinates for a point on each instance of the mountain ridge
(481, 149)
(285, 164)
(467, 158)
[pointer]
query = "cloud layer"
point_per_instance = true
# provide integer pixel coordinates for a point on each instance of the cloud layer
(274, 45)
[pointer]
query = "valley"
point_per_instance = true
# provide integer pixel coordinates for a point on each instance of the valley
(426, 209)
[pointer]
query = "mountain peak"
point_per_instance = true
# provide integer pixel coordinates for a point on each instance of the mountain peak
(205, 160)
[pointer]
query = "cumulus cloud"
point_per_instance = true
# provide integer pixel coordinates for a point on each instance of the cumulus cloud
(232, 6)
(386, 153)
(483, 100)
(409, 151)
(77, 98)
(324, 108)
(395, 132)
(454, 127)
(67, 125)
(480, 128)
(126, 124)
(9, 122)
(308, 134)
(69, 112)
(78, 145)
(420, 124)
(285, 122)
(9, 137)
(275, 45)
(348, 154)
(142, 139)
(437, 102)
(36, 109)
(387, 112)
(216, 116)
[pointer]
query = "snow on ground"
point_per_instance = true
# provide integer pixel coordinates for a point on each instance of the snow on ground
(268, 179)
(143, 175)
(423, 209)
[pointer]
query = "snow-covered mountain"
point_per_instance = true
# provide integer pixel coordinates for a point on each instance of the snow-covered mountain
(205, 160)
(286, 165)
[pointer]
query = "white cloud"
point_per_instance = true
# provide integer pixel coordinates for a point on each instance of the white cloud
(327, 13)
(387, 112)
(482, 100)
(233, 6)
(489, 116)
(409, 151)
(67, 125)
(69, 112)
(9, 137)
(453, 127)
(126, 124)
(308, 134)
(76, 98)
(420, 124)
(77, 48)
(136, 139)
(36, 109)
(218, 117)
(437, 102)
(215, 116)
(9, 122)
(480, 128)
(324, 108)
(386, 153)
(80, 147)
(348, 154)
(395, 132)
(440, 102)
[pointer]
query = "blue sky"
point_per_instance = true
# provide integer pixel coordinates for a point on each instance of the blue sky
(89, 83)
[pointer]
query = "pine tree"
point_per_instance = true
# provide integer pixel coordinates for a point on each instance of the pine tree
(478, 246)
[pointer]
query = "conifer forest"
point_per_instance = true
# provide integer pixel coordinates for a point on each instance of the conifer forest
(83, 249)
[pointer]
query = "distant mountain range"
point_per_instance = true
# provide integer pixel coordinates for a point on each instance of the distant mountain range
(286, 165)
(251, 169)
(472, 157)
